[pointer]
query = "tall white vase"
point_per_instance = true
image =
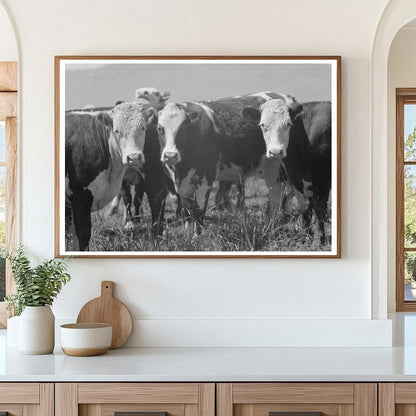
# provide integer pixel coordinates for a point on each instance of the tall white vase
(37, 330)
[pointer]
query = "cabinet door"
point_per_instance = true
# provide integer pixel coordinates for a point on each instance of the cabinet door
(297, 399)
(26, 399)
(141, 399)
(397, 399)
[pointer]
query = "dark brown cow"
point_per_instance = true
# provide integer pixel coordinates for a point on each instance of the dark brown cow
(316, 118)
(98, 150)
(152, 179)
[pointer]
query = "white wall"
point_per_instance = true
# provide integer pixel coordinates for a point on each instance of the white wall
(401, 74)
(8, 47)
(201, 299)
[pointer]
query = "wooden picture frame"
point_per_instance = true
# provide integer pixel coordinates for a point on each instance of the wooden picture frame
(236, 179)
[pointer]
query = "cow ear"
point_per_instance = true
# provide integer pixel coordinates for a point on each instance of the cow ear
(193, 115)
(152, 114)
(294, 106)
(105, 119)
(252, 114)
(166, 95)
(295, 110)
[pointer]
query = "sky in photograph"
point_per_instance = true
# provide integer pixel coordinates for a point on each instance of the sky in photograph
(103, 85)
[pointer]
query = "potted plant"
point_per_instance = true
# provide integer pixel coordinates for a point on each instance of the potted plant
(36, 289)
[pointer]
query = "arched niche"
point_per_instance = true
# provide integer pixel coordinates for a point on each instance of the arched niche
(396, 14)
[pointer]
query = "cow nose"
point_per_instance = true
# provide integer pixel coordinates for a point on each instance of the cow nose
(136, 158)
(275, 153)
(170, 157)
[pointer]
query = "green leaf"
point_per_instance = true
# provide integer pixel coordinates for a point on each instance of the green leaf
(35, 286)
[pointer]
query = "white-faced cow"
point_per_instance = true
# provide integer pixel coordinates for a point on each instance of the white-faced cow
(98, 150)
(303, 146)
(188, 139)
(158, 180)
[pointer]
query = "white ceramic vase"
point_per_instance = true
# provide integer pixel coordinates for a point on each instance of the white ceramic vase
(37, 330)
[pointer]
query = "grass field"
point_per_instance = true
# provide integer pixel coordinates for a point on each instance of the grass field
(248, 230)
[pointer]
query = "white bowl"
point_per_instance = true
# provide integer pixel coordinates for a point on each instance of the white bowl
(84, 340)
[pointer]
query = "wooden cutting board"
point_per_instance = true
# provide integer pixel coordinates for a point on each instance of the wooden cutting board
(107, 309)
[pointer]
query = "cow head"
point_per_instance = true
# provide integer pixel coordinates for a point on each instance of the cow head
(130, 121)
(173, 134)
(276, 118)
(153, 96)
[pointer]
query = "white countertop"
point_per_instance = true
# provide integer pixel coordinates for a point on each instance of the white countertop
(222, 364)
(215, 364)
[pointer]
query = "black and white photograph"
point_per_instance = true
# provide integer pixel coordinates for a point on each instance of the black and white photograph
(197, 156)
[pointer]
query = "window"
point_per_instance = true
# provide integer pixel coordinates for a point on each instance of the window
(8, 165)
(406, 199)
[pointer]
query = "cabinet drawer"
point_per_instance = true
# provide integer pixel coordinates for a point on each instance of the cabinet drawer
(297, 399)
(145, 399)
(19, 393)
(138, 393)
(21, 399)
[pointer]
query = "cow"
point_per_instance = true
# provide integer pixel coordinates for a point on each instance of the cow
(98, 150)
(316, 118)
(188, 139)
(305, 153)
(242, 147)
(152, 98)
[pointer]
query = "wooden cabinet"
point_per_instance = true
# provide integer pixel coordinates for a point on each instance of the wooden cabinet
(331, 399)
(106, 399)
(208, 399)
(397, 399)
(27, 399)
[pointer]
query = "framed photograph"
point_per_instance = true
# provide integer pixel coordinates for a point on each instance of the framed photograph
(198, 156)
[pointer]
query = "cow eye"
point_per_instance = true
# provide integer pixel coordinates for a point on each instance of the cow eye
(160, 129)
(116, 131)
(262, 126)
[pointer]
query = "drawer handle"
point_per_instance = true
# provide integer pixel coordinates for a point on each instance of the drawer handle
(139, 414)
(295, 414)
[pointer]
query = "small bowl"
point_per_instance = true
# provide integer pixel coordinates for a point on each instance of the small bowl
(84, 340)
